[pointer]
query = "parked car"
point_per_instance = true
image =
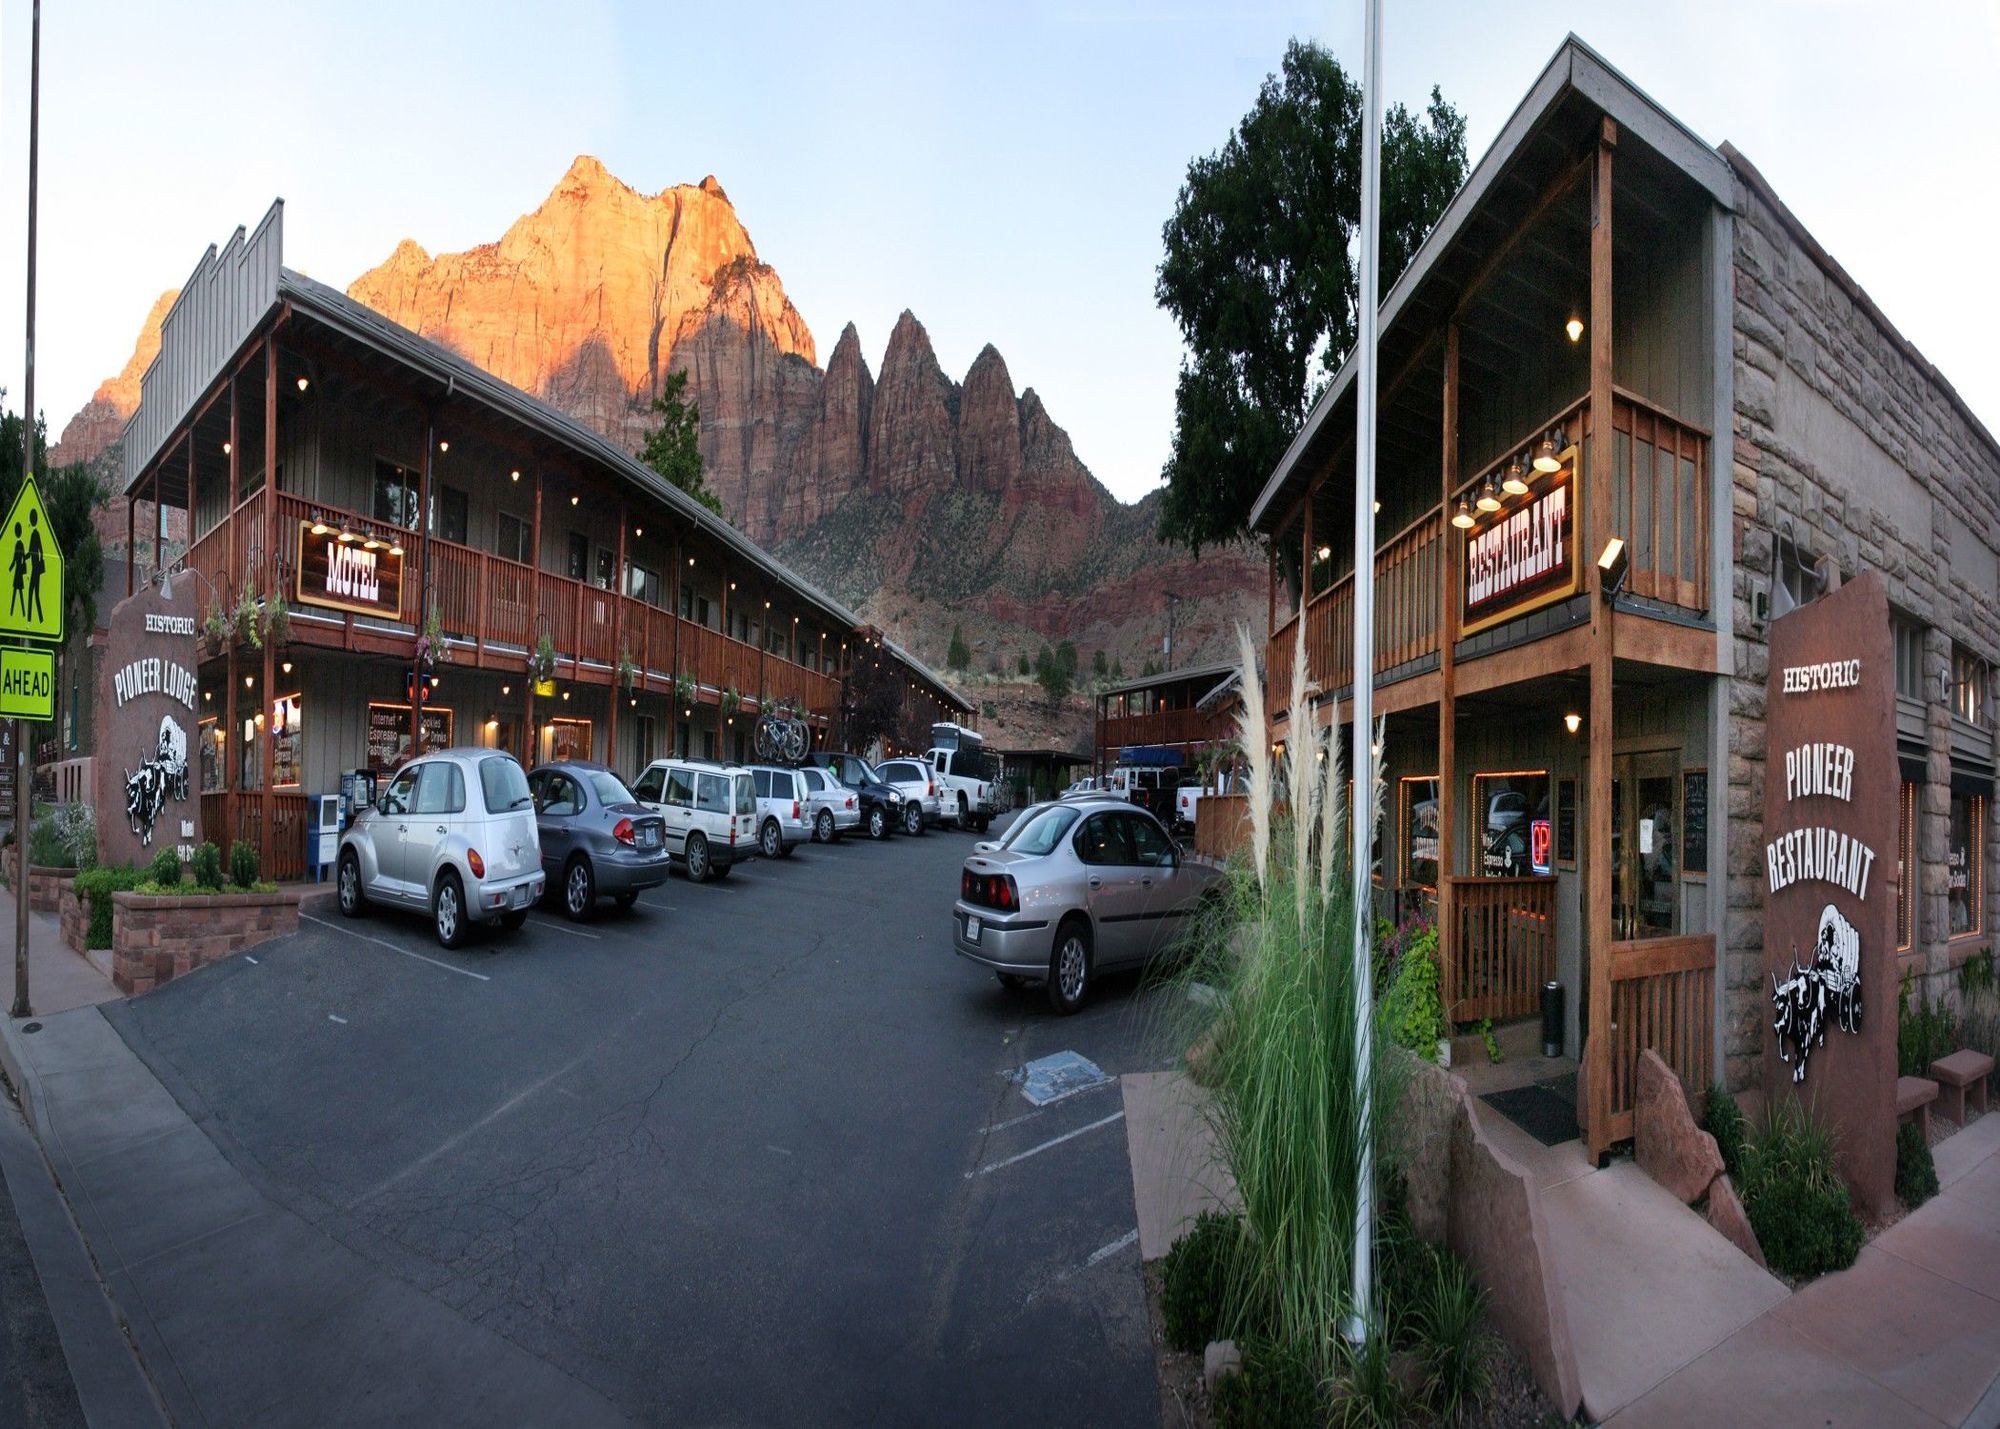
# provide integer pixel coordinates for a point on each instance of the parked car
(453, 835)
(1075, 888)
(968, 784)
(597, 840)
(783, 820)
(1085, 785)
(881, 805)
(834, 808)
(1148, 786)
(710, 811)
(923, 805)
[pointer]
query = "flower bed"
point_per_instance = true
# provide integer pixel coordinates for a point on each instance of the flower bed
(158, 937)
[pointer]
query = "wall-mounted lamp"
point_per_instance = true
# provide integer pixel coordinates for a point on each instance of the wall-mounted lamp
(248, 681)
(638, 530)
(443, 446)
(1515, 482)
(1612, 565)
(514, 475)
(1574, 327)
(1546, 458)
(565, 696)
(506, 689)
(574, 500)
(1323, 553)
(286, 667)
(1573, 721)
(1462, 518)
(225, 448)
(1489, 495)
(304, 382)
(395, 548)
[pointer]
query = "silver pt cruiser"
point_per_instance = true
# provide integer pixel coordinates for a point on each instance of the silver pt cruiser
(1076, 888)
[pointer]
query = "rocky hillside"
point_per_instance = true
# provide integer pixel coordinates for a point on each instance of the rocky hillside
(923, 501)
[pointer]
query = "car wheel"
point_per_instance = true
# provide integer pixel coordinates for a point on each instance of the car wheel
(964, 815)
(723, 870)
(626, 899)
(878, 824)
(1069, 966)
(823, 827)
(913, 819)
(771, 843)
(515, 921)
(1013, 982)
(699, 868)
(982, 823)
(579, 890)
(353, 901)
(448, 911)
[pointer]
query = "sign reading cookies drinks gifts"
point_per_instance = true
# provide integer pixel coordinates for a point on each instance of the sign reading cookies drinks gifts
(148, 713)
(1828, 872)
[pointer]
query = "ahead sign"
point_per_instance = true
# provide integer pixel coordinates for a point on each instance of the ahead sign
(27, 684)
(34, 570)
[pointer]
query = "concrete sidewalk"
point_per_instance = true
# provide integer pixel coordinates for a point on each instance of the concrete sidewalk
(242, 1312)
(1909, 1335)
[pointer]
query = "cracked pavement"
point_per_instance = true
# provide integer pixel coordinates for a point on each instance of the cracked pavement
(711, 1159)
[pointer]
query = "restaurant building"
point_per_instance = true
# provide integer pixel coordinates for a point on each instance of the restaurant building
(1618, 332)
(458, 562)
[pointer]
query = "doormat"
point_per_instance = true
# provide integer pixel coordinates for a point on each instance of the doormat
(1545, 1110)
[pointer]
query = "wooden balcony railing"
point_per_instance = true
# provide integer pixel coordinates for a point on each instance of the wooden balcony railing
(1409, 592)
(1278, 657)
(1501, 949)
(1659, 502)
(1221, 825)
(1186, 726)
(1663, 998)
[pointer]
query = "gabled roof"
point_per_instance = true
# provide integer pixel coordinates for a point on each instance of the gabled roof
(1213, 671)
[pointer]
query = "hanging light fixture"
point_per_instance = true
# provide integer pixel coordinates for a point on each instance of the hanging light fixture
(319, 528)
(1574, 327)
(1462, 518)
(395, 548)
(1515, 483)
(444, 446)
(1489, 494)
(1545, 457)
(1573, 721)
(514, 475)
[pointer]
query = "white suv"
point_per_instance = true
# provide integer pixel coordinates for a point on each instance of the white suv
(710, 811)
(783, 820)
(922, 803)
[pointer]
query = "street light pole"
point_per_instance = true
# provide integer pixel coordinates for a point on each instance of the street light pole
(22, 796)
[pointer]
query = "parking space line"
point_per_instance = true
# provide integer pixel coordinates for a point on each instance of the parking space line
(566, 928)
(1105, 1252)
(1031, 1115)
(1045, 1146)
(384, 943)
(331, 1017)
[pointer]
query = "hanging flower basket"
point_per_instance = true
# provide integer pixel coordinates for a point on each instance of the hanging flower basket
(628, 671)
(731, 701)
(432, 647)
(277, 620)
(245, 621)
(684, 691)
(218, 627)
(542, 664)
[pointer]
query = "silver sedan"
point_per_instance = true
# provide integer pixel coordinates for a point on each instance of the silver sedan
(1076, 888)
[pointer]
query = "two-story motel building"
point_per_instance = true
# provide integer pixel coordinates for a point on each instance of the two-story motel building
(400, 498)
(1619, 331)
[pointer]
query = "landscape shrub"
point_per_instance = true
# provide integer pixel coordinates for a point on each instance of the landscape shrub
(207, 866)
(76, 830)
(1195, 1280)
(45, 843)
(1979, 1025)
(165, 869)
(1449, 1325)
(1725, 1123)
(244, 864)
(1916, 1172)
(1275, 1389)
(94, 888)
(1797, 1203)
(1923, 1033)
(1412, 1009)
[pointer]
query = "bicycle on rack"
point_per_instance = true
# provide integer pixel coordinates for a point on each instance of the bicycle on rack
(782, 738)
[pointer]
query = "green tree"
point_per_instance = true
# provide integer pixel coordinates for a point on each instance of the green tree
(1118, 668)
(960, 655)
(1050, 674)
(1259, 275)
(674, 448)
(1024, 663)
(1098, 667)
(1066, 657)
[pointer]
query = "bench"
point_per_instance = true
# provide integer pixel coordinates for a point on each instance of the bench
(1915, 1095)
(1963, 1071)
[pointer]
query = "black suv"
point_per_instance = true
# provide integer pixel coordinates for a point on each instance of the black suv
(881, 805)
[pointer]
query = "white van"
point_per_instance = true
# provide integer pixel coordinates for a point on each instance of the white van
(710, 811)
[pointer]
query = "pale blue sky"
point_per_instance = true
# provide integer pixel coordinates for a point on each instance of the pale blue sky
(1001, 170)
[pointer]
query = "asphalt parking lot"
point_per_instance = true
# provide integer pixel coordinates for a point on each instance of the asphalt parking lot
(745, 1154)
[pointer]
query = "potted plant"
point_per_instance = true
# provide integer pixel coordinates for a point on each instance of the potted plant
(277, 619)
(433, 649)
(246, 619)
(731, 701)
(628, 670)
(685, 690)
(217, 626)
(542, 664)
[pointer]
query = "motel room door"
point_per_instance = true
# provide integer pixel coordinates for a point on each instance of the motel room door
(1645, 846)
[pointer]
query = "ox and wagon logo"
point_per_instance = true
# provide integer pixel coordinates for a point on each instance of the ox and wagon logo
(1831, 984)
(159, 778)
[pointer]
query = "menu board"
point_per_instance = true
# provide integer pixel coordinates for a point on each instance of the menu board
(1566, 821)
(1694, 821)
(287, 743)
(389, 734)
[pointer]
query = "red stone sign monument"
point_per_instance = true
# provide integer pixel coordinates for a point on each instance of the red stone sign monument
(1830, 876)
(148, 713)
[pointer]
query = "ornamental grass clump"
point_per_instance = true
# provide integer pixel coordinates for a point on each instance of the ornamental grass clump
(1288, 1110)
(1797, 1203)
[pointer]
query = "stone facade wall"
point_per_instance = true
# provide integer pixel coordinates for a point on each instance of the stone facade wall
(1842, 430)
(75, 921)
(46, 886)
(155, 939)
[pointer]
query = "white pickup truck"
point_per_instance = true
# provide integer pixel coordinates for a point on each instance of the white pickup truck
(969, 791)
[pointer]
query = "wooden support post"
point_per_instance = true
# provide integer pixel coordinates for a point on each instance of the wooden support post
(419, 543)
(535, 580)
(267, 583)
(1306, 564)
(194, 505)
(617, 639)
(132, 526)
(235, 485)
(1447, 795)
(1596, 1013)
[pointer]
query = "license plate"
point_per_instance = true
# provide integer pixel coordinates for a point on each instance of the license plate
(649, 837)
(971, 929)
(518, 897)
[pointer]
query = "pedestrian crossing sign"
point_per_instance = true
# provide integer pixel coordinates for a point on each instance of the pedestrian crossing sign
(34, 570)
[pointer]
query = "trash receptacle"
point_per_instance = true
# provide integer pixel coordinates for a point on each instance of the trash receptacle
(1552, 1019)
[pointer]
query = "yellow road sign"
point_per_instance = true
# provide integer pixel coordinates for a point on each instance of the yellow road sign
(31, 571)
(27, 684)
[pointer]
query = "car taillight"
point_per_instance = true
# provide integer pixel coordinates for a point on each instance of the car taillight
(966, 884)
(474, 862)
(933, 790)
(623, 833)
(994, 890)
(850, 801)
(732, 833)
(795, 811)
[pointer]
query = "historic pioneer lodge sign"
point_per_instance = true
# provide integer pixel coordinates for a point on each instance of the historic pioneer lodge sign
(343, 571)
(1526, 556)
(1830, 788)
(148, 708)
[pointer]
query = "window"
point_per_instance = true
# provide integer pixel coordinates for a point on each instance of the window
(1151, 848)
(650, 784)
(746, 797)
(763, 778)
(649, 739)
(1514, 834)
(642, 584)
(713, 794)
(1968, 686)
(1909, 641)
(579, 556)
(1420, 831)
(396, 495)
(558, 796)
(1040, 834)
(680, 788)
(515, 540)
(694, 605)
(607, 573)
(608, 787)
(396, 799)
(1965, 863)
(1906, 866)
(503, 784)
(449, 514)
(1103, 841)
(209, 735)
(441, 790)
(739, 626)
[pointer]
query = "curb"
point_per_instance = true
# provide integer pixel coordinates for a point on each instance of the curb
(27, 1086)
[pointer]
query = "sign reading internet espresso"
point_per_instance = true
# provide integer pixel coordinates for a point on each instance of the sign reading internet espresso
(1524, 557)
(349, 575)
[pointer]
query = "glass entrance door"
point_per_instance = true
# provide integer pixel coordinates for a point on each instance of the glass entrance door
(1645, 846)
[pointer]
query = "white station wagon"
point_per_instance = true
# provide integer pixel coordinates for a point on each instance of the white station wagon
(710, 811)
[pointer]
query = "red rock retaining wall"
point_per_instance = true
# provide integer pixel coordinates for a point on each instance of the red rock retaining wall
(155, 939)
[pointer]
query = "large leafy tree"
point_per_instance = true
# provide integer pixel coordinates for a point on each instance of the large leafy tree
(1261, 275)
(673, 449)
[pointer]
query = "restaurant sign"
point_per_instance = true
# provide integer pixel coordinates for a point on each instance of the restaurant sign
(1525, 557)
(1830, 816)
(344, 571)
(148, 701)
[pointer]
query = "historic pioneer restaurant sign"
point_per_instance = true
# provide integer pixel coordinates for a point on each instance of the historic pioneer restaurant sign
(148, 703)
(1829, 875)
(1524, 557)
(348, 572)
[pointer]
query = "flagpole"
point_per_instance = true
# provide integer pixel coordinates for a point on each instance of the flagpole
(1363, 761)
